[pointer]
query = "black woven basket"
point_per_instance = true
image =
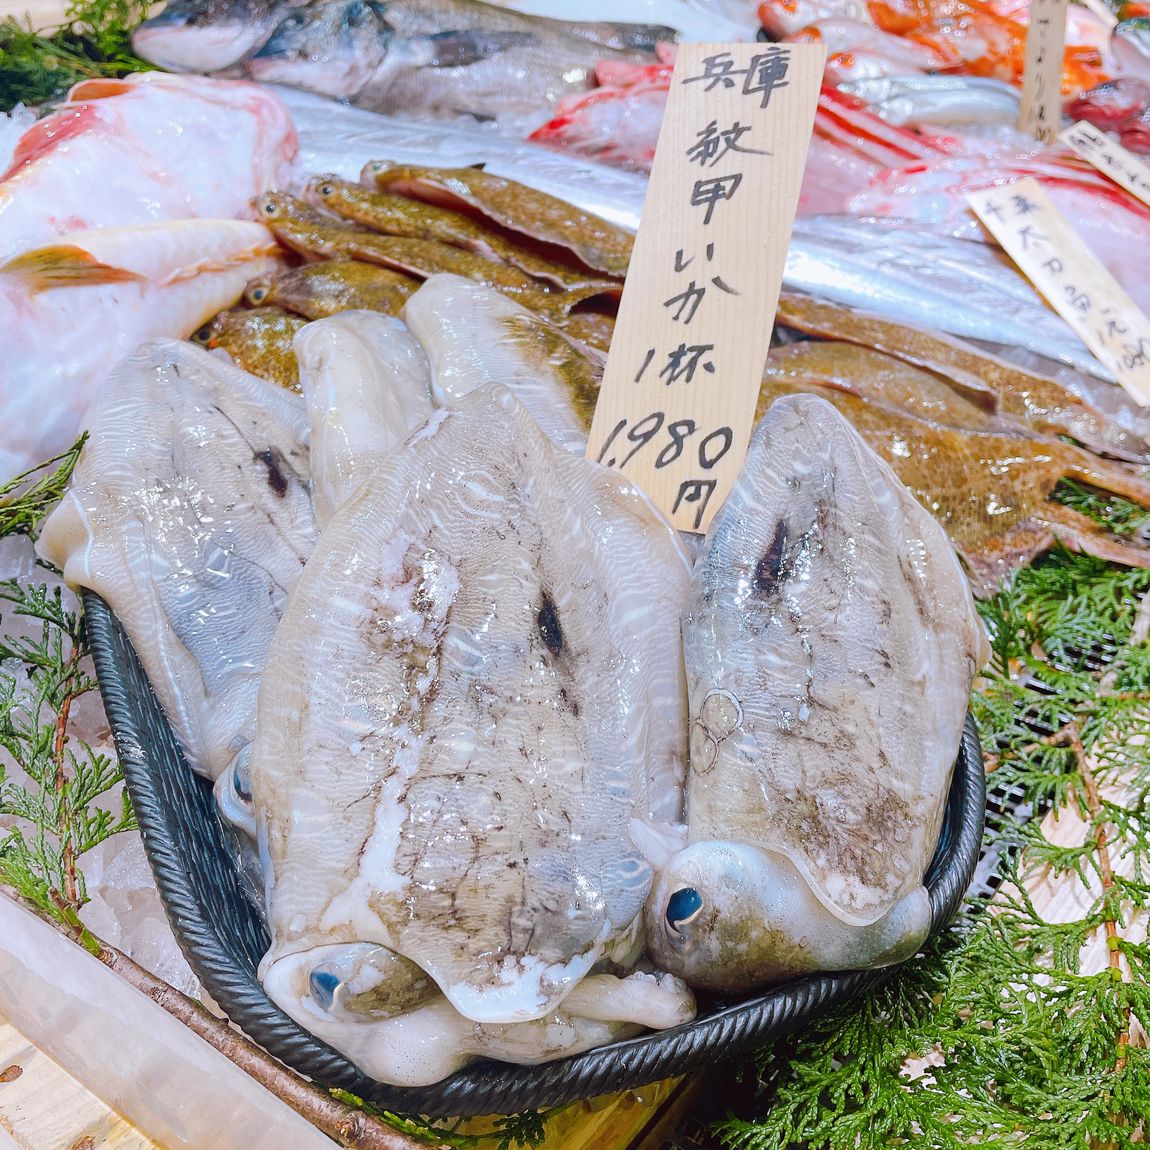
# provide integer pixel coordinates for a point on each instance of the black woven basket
(223, 939)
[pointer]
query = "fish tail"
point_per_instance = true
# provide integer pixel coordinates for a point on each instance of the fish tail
(1079, 532)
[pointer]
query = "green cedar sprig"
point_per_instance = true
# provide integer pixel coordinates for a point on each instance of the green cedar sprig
(94, 40)
(995, 1036)
(526, 1129)
(61, 802)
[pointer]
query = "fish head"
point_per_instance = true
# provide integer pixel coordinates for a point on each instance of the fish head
(258, 291)
(325, 189)
(273, 206)
(327, 47)
(207, 35)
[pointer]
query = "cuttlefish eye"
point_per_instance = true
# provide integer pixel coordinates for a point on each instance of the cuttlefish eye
(323, 985)
(241, 777)
(683, 907)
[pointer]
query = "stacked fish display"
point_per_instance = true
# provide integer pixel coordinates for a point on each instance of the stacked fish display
(509, 771)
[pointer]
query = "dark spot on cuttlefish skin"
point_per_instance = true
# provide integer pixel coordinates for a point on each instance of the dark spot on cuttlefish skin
(276, 479)
(769, 571)
(549, 628)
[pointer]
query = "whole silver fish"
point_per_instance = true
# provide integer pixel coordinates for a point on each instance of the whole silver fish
(905, 272)
(341, 139)
(214, 35)
(439, 59)
(933, 99)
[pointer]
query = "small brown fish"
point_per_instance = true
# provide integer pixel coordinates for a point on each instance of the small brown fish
(525, 211)
(990, 490)
(591, 328)
(875, 376)
(1037, 400)
(259, 340)
(396, 215)
(304, 230)
(317, 291)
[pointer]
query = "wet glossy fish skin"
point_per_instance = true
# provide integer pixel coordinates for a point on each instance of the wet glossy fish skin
(208, 35)
(831, 641)
(934, 99)
(423, 671)
(190, 503)
(908, 274)
(318, 290)
(1036, 400)
(71, 311)
(306, 232)
(140, 150)
(259, 340)
(449, 58)
(873, 375)
(342, 139)
(989, 489)
(401, 216)
(599, 244)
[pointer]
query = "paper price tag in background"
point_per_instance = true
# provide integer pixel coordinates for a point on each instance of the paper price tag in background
(1050, 254)
(1110, 158)
(678, 396)
(1040, 112)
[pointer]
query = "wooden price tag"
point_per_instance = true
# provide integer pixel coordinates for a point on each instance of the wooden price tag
(1040, 112)
(1052, 256)
(1110, 158)
(677, 401)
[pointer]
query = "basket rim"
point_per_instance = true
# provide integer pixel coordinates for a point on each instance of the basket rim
(222, 939)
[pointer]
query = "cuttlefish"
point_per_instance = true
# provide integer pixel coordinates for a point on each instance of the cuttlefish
(472, 721)
(189, 512)
(831, 640)
(987, 482)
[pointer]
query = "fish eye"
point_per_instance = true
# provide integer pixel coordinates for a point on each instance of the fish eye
(326, 189)
(258, 293)
(269, 207)
(323, 985)
(683, 907)
(203, 334)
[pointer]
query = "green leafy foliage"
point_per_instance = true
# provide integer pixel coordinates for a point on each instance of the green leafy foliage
(58, 796)
(95, 40)
(998, 1035)
(516, 1130)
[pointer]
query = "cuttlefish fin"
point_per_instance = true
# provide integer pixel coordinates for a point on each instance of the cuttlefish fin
(64, 265)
